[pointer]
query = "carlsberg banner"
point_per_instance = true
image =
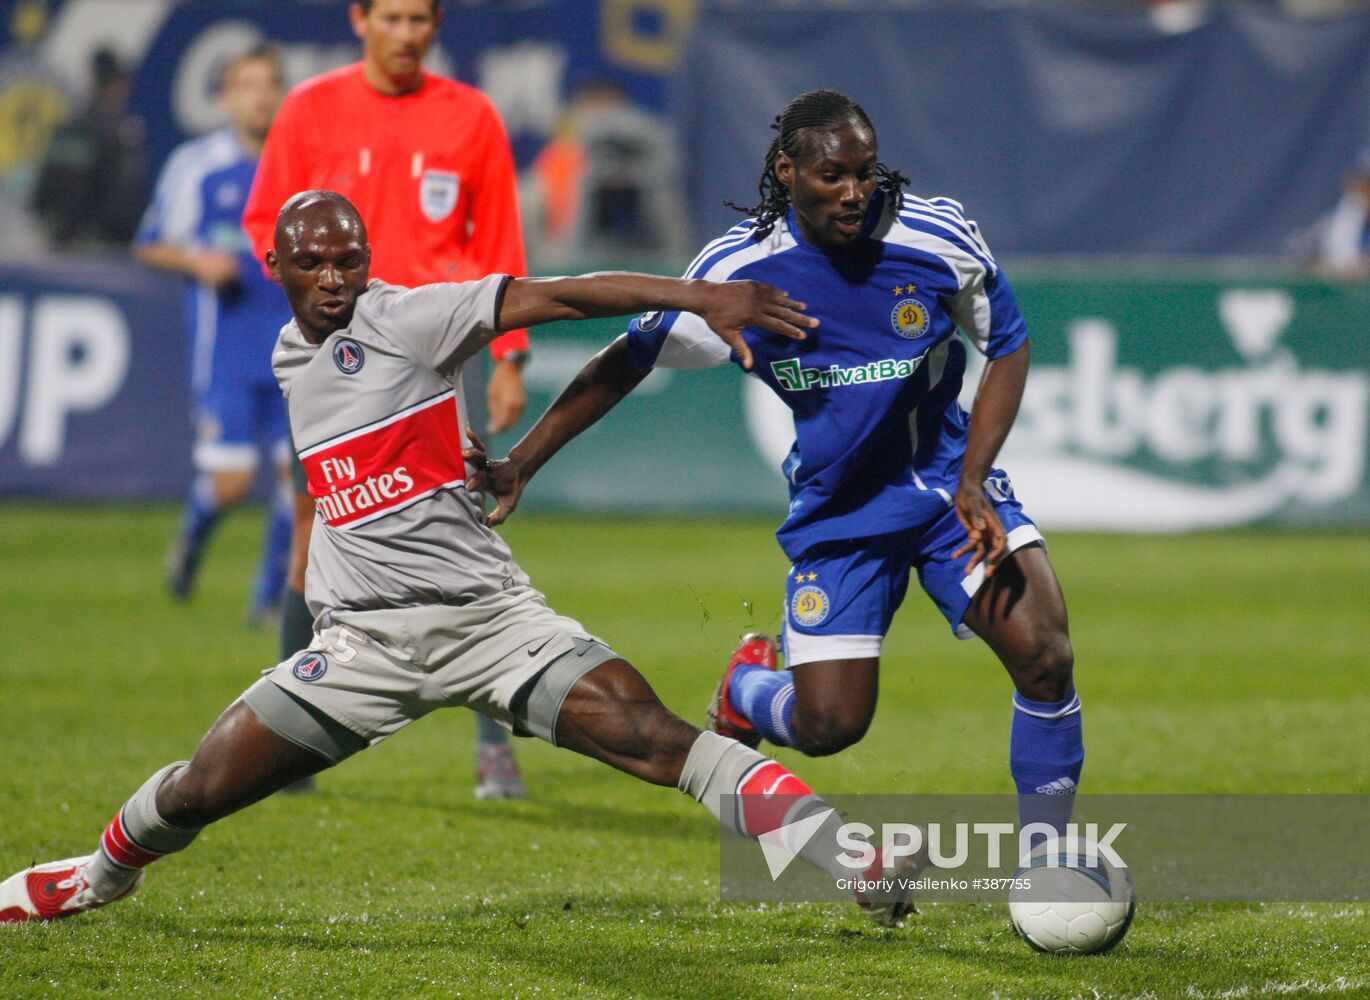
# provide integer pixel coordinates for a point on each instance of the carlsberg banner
(1158, 401)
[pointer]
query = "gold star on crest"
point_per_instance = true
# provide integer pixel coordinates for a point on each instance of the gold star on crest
(813, 577)
(799, 578)
(898, 289)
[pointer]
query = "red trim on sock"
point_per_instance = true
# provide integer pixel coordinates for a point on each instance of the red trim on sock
(768, 795)
(121, 848)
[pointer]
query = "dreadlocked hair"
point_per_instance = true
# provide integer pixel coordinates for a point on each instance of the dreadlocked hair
(817, 109)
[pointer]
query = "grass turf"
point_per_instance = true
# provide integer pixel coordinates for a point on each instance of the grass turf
(1230, 662)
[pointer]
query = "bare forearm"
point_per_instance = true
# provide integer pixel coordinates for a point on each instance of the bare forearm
(605, 380)
(607, 293)
(992, 416)
(166, 257)
(209, 267)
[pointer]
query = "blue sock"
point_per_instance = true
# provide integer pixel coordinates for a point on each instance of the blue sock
(270, 582)
(1046, 754)
(765, 698)
(198, 517)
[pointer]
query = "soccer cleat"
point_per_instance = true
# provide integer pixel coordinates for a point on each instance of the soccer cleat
(891, 899)
(53, 891)
(497, 773)
(180, 567)
(756, 649)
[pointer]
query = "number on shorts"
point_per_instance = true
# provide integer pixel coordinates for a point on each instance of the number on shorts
(342, 647)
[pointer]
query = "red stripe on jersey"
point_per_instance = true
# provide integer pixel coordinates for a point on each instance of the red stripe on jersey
(390, 464)
(768, 793)
(121, 849)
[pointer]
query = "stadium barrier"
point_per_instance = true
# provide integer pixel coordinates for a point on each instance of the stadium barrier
(1171, 398)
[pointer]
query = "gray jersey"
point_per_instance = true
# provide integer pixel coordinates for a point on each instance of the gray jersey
(379, 418)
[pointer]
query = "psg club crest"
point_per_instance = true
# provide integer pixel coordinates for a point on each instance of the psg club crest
(810, 606)
(909, 319)
(310, 667)
(438, 194)
(348, 356)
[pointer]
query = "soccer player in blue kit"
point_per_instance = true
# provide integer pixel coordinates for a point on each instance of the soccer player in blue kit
(888, 474)
(194, 228)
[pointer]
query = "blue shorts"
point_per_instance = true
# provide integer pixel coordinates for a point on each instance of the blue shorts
(840, 597)
(235, 417)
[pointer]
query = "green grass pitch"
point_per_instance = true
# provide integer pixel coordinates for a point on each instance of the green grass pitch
(1232, 662)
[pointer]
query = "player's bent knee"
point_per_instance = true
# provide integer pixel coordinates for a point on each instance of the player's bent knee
(187, 800)
(824, 735)
(1047, 674)
(669, 739)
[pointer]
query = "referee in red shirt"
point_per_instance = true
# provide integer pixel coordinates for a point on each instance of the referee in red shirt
(427, 163)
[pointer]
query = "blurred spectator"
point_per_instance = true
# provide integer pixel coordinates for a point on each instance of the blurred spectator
(33, 103)
(194, 228)
(91, 183)
(607, 186)
(1338, 244)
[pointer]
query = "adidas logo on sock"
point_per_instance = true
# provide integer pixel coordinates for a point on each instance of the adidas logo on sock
(1061, 786)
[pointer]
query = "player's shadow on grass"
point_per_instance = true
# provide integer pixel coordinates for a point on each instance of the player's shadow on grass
(546, 812)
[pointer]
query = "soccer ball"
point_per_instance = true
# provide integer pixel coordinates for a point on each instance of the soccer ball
(1065, 905)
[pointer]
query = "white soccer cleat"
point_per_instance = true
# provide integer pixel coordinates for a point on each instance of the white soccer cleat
(53, 891)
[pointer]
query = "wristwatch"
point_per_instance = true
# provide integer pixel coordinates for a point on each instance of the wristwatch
(518, 358)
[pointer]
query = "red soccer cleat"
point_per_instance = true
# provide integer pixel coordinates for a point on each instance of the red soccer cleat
(52, 891)
(723, 718)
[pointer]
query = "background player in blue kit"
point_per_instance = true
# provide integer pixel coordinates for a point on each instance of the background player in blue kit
(194, 228)
(888, 473)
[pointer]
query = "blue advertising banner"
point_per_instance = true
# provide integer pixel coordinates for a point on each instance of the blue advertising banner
(93, 376)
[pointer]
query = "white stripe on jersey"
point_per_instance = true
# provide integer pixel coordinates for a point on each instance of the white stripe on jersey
(177, 205)
(953, 212)
(387, 511)
(733, 237)
(777, 241)
(934, 365)
(924, 219)
(376, 425)
(691, 344)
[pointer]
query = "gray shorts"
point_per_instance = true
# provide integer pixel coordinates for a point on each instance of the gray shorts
(369, 674)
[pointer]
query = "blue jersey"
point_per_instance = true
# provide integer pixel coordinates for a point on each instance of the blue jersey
(879, 435)
(199, 204)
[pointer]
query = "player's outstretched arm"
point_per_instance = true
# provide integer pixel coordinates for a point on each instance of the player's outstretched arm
(728, 307)
(991, 418)
(597, 389)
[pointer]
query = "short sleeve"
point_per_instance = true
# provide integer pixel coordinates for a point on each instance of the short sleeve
(987, 312)
(177, 205)
(445, 323)
(674, 340)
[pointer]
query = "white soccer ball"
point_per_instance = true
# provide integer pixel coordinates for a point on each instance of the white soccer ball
(1067, 905)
